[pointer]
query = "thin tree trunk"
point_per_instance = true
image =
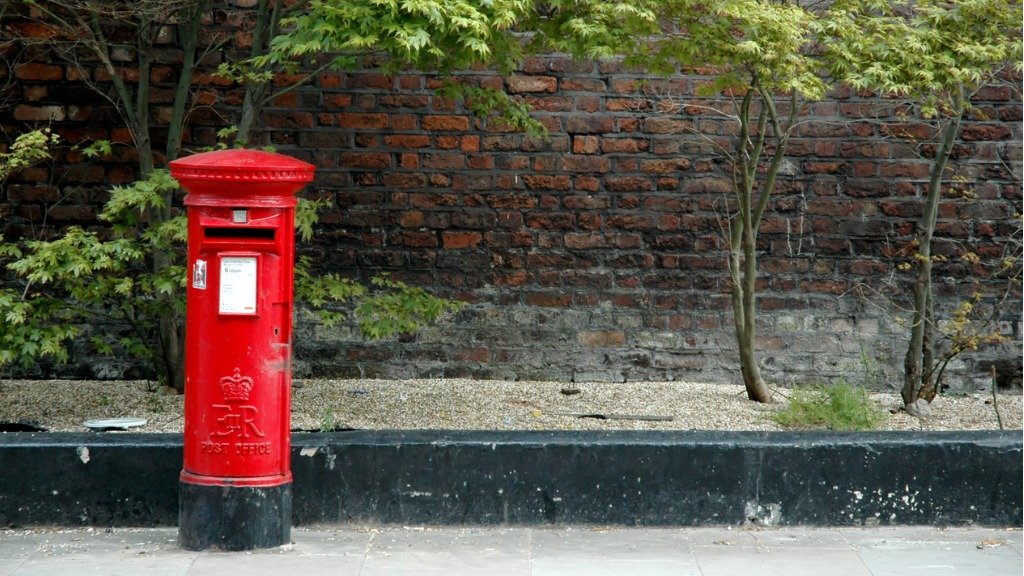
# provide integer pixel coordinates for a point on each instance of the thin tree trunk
(757, 390)
(256, 92)
(188, 38)
(917, 368)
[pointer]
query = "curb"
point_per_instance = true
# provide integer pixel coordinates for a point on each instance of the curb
(696, 478)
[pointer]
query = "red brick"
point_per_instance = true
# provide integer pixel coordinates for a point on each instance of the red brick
(330, 80)
(550, 103)
(403, 122)
(404, 100)
(470, 144)
(520, 84)
(441, 161)
(545, 182)
(38, 72)
(626, 105)
(623, 145)
(512, 201)
(549, 221)
(405, 180)
(407, 141)
(445, 123)
(589, 124)
(666, 126)
(446, 142)
(585, 240)
(590, 164)
(667, 166)
(21, 192)
(629, 222)
(416, 239)
(587, 184)
(456, 240)
(337, 100)
(864, 169)
(432, 200)
(363, 121)
(409, 160)
(627, 184)
(587, 202)
(411, 219)
(983, 132)
(577, 84)
(365, 160)
(70, 213)
(39, 113)
(905, 170)
(278, 119)
(823, 167)
(548, 300)
(378, 81)
(584, 145)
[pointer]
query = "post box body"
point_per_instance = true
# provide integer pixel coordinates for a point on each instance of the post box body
(238, 344)
(236, 476)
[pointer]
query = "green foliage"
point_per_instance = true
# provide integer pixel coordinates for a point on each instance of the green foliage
(97, 148)
(397, 308)
(936, 54)
(441, 36)
(82, 277)
(27, 149)
(590, 28)
(385, 308)
(425, 34)
(762, 55)
(750, 44)
(929, 51)
(839, 407)
(484, 102)
(328, 421)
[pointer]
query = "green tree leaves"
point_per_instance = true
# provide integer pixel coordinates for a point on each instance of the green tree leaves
(85, 277)
(928, 51)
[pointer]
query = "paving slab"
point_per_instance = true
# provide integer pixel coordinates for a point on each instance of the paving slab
(779, 562)
(922, 557)
(288, 563)
(467, 551)
(528, 551)
(612, 551)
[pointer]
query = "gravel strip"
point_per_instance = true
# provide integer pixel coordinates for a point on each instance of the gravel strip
(62, 405)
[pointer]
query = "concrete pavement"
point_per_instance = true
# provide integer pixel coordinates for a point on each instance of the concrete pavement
(528, 551)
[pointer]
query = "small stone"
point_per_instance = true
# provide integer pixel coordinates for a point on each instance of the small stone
(570, 391)
(920, 409)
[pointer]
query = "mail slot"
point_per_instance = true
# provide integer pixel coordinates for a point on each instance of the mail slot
(236, 476)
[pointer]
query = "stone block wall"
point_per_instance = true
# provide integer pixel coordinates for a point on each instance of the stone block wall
(595, 254)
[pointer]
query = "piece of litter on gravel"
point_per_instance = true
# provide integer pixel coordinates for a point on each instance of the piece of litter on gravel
(646, 417)
(570, 391)
(112, 424)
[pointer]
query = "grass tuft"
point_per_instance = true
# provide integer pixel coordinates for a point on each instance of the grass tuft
(839, 407)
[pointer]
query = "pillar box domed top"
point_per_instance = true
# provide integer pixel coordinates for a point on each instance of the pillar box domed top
(241, 176)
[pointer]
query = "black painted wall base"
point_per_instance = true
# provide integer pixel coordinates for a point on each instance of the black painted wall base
(234, 518)
(466, 477)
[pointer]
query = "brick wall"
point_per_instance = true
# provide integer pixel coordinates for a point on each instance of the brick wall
(596, 254)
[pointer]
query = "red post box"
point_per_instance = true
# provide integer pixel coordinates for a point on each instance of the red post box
(236, 479)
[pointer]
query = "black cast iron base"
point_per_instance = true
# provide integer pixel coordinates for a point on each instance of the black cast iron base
(234, 517)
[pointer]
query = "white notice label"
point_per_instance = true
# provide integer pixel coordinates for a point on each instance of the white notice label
(238, 285)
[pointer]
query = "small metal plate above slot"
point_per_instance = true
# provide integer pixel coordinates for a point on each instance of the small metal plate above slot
(245, 233)
(239, 216)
